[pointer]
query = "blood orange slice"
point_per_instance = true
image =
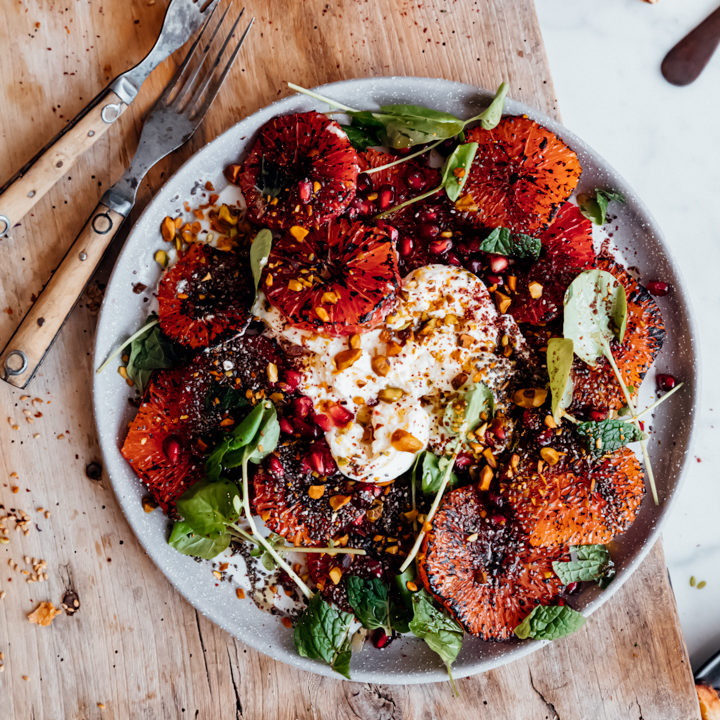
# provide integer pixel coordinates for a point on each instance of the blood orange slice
(579, 502)
(521, 173)
(301, 170)
(567, 249)
(338, 280)
(482, 570)
(204, 294)
(597, 388)
(157, 444)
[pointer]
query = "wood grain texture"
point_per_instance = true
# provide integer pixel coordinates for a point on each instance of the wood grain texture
(135, 645)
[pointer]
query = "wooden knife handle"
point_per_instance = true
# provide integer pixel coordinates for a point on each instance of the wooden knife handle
(20, 197)
(686, 60)
(41, 323)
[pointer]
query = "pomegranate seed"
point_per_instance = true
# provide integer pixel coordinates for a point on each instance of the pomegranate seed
(665, 381)
(572, 587)
(498, 263)
(473, 244)
(453, 259)
(380, 638)
(415, 180)
(427, 215)
(463, 460)
(438, 247)
(497, 500)
(497, 519)
(276, 467)
(560, 602)
(406, 246)
(428, 230)
(386, 196)
(305, 429)
(286, 426)
(498, 430)
(305, 191)
(301, 406)
(316, 462)
(364, 183)
(545, 437)
(340, 415)
(494, 279)
(598, 415)
(171, 448)
(475, 266)
(389, 229)
(292, 380)
(658, 288)
(323, 422)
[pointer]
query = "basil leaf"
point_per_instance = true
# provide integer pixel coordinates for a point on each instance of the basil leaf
(322, 632)
(266, 437)
(492, 115)
(440, 632)
(456, 169)
(207, 507)
(429, 470)
(186, 541)
(410, 125)
(259, 253)
(590, 562)
(594, 205)
(595, 313)
(467, 409)
(272, 178)
(370, 601)
(608, 435)
(417, 112)
(152, 351)
(502, 241)
(549, 622)
(559, 363)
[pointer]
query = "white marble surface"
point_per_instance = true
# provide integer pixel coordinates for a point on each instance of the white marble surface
(605, 60)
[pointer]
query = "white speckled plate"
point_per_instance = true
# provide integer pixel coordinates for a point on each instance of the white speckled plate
(408, 660)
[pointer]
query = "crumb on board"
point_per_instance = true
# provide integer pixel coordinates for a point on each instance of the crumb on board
(43, 614)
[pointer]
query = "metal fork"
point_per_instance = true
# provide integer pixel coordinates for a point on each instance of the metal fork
(172, 121)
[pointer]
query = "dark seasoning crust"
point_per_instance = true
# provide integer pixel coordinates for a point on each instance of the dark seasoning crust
(527, 489)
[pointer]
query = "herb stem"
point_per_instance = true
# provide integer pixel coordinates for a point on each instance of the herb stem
(401, 160)
(129, 341)
(326, 550)
(572, 419)
(660, 401)
(433, 508)
(415, 199)
(322, 98)
(262, 541)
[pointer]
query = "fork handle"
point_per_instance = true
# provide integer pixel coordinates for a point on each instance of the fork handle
(22, 195)
(43, 320)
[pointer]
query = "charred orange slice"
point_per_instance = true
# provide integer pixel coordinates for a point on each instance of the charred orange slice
(521, 173)
(338, 280)
(576, 501)
(301, 170)
(157, 446)
(597, 388)
(481, 569)
(202, 295)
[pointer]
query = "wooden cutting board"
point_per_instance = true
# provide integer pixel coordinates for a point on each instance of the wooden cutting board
(135, 648)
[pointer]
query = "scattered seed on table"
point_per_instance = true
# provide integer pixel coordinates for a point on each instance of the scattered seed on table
(701, 585)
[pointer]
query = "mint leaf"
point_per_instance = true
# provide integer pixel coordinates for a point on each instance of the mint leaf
(559, 363)
(369, 598)
(322, 632)
(608, 435)
(549, 622)
(439, 631)
(502, 241)
(595, 313)
(186, 541)
(456, 169)
(208, 507)
(594, 205)
(589, 562)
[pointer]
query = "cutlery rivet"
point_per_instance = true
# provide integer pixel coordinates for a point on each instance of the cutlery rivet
(83, 255)
(102, 223)
(91, 133)
(31, 193)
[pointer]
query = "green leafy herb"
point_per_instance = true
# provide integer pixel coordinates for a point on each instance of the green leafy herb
(594, 205)
(188, 542)
(491, 116)
(588, 563)
(559, 364)
(549, 622)
(465, 413)
(370, 600)
(595, 313)
(502, 241)
(207, 507)
(272, 178)
(267, 560)
(149, 352)
(608, 435)
(362, 137)
(259, 253)
(322, 632)
(440, 632)
(429, 469)
(224, 397)
(457, 168)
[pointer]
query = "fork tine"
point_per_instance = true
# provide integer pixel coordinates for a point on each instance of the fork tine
(186, 60)
(215, 87)
(186, 86)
